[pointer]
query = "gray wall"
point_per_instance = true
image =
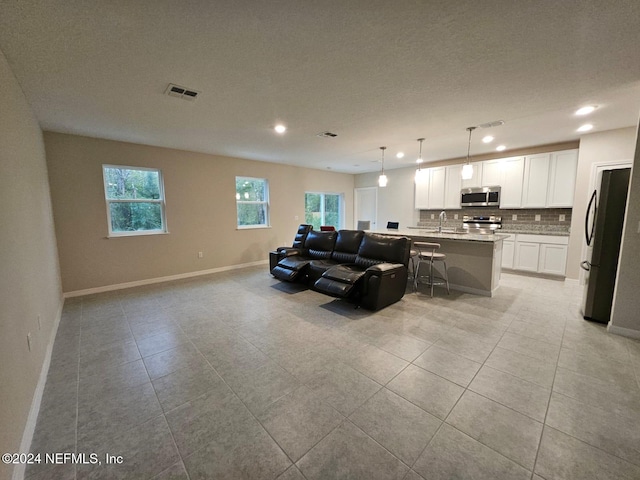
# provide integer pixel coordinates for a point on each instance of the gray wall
(626, 302)
(30, 279)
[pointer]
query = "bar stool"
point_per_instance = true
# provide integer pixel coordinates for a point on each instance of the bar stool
(427, 253)
(413, 263)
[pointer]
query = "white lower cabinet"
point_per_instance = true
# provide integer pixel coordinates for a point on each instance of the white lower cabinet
(536, 253)
(553, 259)
(508, 251)
(527, 254)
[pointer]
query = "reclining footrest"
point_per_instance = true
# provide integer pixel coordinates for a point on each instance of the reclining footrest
(339, 281)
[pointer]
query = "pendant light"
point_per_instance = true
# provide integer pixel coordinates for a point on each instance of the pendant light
(420, 172)
(467, 168)
(382, 179)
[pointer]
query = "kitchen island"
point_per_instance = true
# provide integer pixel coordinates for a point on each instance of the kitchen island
(473, 260)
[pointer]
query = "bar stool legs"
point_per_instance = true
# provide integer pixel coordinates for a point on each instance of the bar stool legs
(427, 252)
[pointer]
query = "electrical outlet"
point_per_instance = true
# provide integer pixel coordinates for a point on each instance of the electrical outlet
(514, 217)
(295, 217)
(39, 324)
(29, 340)
(455, 216)
(561, 218)
(200, 255)
(537, 218)
(433, 216)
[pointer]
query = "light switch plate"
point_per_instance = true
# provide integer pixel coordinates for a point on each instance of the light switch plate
(514, 216)
(433, 216)
(537, 218)
(561, 218)
(455, 216)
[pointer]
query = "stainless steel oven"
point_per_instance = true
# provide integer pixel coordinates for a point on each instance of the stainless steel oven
(480, 197)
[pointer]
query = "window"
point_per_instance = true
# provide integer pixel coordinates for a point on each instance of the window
(323, 209)
(135, 200)
(252, 202)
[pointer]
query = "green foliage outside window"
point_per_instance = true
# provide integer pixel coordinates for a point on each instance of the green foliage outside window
(252, 201)
(134, 198)
(322, 209)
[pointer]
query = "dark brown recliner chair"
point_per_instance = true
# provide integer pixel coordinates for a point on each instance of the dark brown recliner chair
(377, 278)
(317, 246)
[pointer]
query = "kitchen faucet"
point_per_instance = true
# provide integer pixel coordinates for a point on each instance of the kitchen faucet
(443, 217)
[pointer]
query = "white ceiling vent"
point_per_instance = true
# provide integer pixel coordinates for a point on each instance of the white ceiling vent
(327, 135)
(181, 92)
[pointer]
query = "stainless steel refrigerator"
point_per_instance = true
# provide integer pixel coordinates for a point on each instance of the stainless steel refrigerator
(603, 233)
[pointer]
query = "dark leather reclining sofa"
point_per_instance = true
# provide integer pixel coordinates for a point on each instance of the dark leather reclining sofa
(366, 268)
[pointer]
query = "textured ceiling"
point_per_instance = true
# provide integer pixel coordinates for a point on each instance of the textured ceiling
(374, 72)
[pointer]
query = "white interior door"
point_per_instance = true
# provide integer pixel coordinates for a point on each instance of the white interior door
(366, 206)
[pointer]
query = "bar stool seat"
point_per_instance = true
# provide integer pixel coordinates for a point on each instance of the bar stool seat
(427, 253)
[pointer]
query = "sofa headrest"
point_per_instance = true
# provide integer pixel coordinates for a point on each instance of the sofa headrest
(300, 237)
(388, 248)
(349, 241)
(323, 241)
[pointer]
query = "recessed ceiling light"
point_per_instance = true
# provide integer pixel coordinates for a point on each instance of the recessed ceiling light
(500, 148)
(487, 139)
(280, 128)
(585, 128)
(585, 110)
(400, 155)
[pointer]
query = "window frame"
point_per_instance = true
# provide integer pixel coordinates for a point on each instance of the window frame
(161, 201)
(341, 206)
(265, 202)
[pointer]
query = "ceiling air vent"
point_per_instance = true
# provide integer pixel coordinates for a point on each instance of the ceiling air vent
(181, 92)
(327, 135)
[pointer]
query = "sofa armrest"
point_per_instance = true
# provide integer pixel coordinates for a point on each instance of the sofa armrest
(289, 251)
(381, 268)
(383, 285)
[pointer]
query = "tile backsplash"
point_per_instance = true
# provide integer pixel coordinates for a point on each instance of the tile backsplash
(526, 218)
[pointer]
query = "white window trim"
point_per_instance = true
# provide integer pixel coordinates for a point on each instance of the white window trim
(161, 201)
(255, 202)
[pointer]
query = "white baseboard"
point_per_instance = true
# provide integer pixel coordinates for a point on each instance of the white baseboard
(30, 427)
(169, 278)
(625, 332)
(572, 281)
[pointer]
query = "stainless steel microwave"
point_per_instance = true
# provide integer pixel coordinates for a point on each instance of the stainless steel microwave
(480, 197)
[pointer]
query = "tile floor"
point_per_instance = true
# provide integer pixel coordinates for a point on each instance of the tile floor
(237, 375)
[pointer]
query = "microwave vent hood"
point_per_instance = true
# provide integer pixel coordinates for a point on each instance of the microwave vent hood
(480, 196)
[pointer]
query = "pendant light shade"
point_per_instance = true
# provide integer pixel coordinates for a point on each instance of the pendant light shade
(382, 179)
(467, 169)
(420, 172)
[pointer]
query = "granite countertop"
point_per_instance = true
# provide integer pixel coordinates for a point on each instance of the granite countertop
(429, 233)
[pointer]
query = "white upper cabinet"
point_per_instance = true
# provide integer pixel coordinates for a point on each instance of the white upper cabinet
(476, 179)
(562, 178)
(550, 179)
(511, 194)
(422, 190)
(545, 180)
(453, 187)
(436, 187)
(506, 173)
(536, 180)
(492, 173)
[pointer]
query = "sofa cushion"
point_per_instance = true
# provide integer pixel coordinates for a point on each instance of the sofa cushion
(347, 245)
(344, 273)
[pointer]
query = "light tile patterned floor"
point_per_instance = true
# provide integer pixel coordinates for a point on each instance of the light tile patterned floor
(238, 375)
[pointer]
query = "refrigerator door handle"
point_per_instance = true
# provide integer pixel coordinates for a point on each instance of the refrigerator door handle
(589, 235)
